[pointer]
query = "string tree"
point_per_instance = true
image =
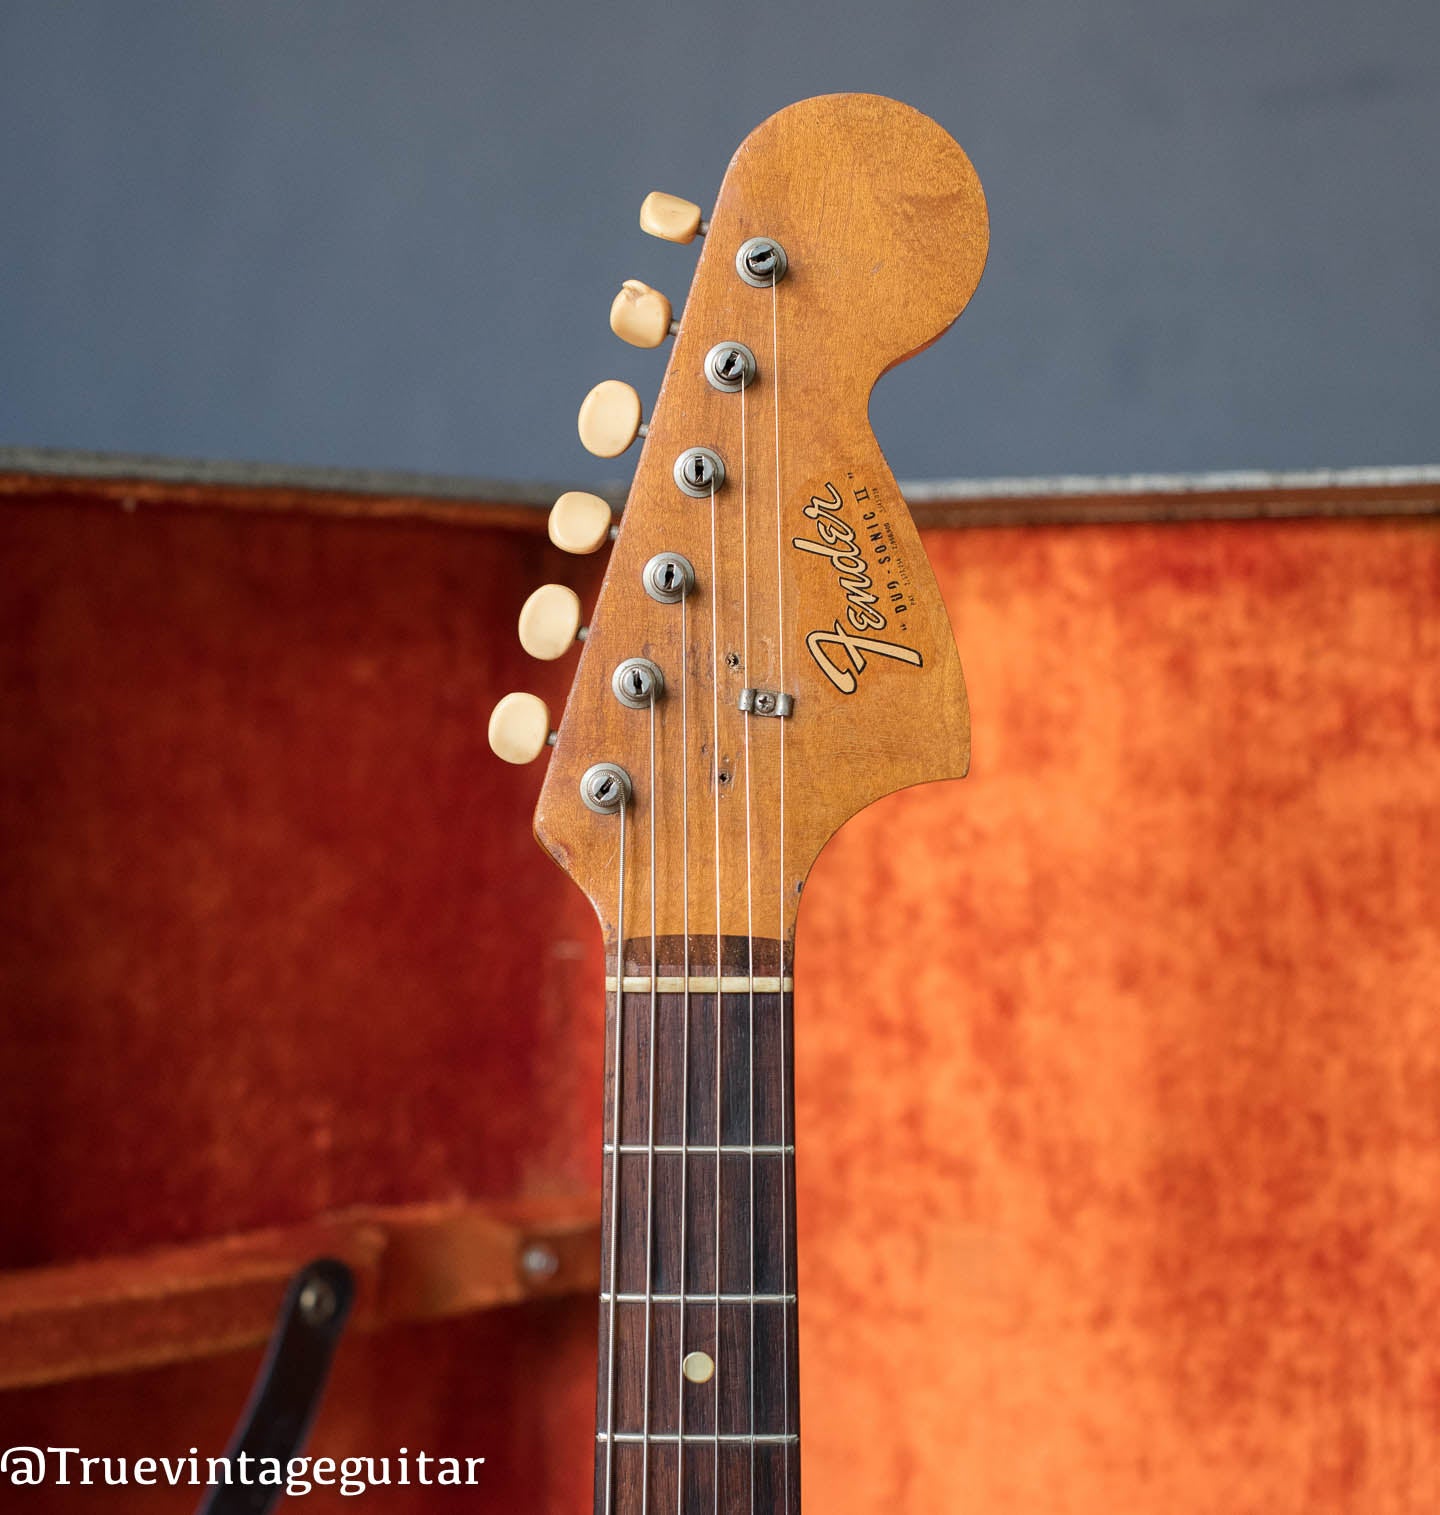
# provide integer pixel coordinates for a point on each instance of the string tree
(766, 702)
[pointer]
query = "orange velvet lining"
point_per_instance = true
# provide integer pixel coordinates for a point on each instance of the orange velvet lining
(1118, 1085)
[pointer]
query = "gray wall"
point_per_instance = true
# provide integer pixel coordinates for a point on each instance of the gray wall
(387, 234)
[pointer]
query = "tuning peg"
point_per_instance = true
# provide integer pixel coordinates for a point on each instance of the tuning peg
(610, 418)
(550, 622)
(640, 315)
(580, 522)
(520, 728)
(670, 218)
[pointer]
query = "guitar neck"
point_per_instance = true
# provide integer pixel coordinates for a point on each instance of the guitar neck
(698, 1376)
(769, 642)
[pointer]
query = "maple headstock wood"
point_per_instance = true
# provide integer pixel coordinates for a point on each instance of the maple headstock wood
(884, 225)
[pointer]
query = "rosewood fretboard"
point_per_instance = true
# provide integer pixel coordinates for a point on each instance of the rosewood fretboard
(702, 1270)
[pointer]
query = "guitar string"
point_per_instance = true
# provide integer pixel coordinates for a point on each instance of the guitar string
(719, 960)
(684, 1044)
(616, 1094)
(749, 928)
(650, 1137)
(784, 1134)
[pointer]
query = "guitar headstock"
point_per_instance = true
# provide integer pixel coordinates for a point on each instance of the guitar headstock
(769, 652)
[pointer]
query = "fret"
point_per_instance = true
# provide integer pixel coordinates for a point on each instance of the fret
(704, 1299)
(695, 1436)
(724, 1136)
(640, 1149)
(702, 983)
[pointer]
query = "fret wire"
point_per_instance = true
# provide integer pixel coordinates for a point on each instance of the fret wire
(704, 983)
(663, 1437)
(704, 1299)
(741, 1149)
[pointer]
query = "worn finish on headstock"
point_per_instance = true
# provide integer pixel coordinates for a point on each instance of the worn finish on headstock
(884, 224)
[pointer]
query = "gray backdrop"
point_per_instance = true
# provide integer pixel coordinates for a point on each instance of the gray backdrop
(387, 234)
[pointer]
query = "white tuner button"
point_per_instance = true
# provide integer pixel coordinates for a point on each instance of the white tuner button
(610, 418)
(550, 622)
(670, 218)
(580, 522)
(698, 1367)
(519, 728)
(640, 315)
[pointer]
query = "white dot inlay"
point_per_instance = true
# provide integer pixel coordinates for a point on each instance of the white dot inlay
(698, 1367)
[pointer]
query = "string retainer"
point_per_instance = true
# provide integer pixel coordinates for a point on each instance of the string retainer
(766, 702)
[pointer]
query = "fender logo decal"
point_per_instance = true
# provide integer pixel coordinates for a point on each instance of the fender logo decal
(838, 544)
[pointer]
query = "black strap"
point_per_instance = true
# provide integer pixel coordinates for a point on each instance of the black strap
(288, 1387)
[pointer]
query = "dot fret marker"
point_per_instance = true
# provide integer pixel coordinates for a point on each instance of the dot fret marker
(698, 1367)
